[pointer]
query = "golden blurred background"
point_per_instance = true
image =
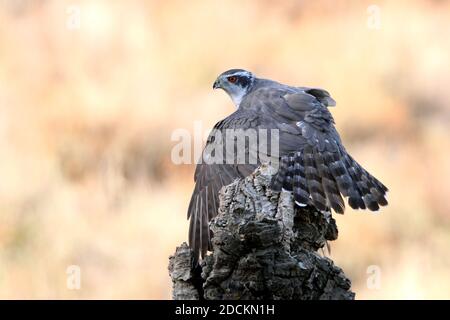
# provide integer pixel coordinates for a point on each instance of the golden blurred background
(91, 91)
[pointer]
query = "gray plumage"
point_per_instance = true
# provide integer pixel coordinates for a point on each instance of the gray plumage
(313, 164)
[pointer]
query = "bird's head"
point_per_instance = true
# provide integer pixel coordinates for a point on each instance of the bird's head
(236, 82)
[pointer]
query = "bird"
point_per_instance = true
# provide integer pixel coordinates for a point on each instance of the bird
(313, 163)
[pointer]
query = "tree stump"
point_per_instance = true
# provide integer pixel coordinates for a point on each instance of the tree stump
(264, 247)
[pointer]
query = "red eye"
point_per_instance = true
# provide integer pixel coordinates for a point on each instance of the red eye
(232, 79)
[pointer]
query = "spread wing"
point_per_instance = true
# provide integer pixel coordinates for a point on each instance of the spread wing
(220, 166)
(313, 162)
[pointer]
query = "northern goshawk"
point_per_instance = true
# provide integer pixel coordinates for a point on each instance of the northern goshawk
(313, 163)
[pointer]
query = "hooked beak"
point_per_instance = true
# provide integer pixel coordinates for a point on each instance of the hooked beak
(216, 84)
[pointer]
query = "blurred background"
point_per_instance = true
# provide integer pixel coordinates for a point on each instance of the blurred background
(91, 91)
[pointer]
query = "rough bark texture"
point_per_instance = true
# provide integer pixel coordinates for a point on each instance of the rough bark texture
(263, 248)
